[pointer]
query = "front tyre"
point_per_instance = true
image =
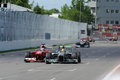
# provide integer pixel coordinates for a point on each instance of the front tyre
(48, 56)
(27, 55)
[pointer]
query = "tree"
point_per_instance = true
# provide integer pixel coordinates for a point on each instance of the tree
(73, 12)
(40, 10)
(64, 12)
(54, 10)
(37, 9)
(23, 3)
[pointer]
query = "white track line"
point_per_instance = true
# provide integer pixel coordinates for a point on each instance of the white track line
(72, 70)
(53, 79)
(88, 63)
(31, 70)
(108, 76)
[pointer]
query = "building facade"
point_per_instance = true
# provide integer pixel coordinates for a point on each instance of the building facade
(106, 11)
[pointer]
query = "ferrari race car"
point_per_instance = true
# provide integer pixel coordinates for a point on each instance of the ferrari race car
(63, 55)
(83, 43)
(37, 55)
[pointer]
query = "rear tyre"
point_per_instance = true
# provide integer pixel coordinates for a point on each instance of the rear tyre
(77, 44)
(28, 55)
(88, 45)
(79, 57)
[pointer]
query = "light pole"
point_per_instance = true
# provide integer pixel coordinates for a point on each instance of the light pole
(9, 34)
(80, 12)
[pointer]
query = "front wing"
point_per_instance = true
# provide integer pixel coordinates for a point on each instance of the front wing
(32, 59)
(67, 60)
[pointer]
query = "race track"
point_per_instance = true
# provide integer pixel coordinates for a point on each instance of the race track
(99, 62)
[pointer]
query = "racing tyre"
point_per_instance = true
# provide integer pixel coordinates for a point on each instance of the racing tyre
(77, 44)
(48, 62)
(74, 55)
(79, 57)
(48, 56)
(88, 45)
(27, 55)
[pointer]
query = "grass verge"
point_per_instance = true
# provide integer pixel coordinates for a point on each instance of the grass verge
(31, 48)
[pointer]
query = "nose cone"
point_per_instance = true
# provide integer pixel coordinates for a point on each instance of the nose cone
(39, 52)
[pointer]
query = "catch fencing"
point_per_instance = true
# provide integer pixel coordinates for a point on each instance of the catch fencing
(26, 26)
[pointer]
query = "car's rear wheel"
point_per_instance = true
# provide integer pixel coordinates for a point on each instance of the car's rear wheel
(77, 44)
(27, 55)
(88, 44)
(79, 57)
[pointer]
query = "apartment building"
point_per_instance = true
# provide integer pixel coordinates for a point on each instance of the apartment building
(106, 11)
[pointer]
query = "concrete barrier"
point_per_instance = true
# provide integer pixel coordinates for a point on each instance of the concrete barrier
(10, 45)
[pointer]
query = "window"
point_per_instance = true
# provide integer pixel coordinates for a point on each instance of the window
(107, 0)
(112, 22)
(117, 0)
(112, 0)
(107, 22)
(82, 31)
(107, 11)
(116, 22)
(117, 11)
(112, 11)
(93, 9)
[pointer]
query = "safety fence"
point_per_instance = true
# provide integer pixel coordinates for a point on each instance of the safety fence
(26, 26)
(22, 29)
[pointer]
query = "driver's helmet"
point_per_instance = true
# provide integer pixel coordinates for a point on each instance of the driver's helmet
(42, 49)
(63, 50)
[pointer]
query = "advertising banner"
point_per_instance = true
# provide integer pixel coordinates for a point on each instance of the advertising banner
(107, 35)
(107, 26)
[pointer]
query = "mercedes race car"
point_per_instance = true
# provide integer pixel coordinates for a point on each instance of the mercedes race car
(37, 55)
(63, 55)
(83, 43)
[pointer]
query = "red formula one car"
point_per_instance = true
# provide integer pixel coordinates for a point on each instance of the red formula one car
(37, 55)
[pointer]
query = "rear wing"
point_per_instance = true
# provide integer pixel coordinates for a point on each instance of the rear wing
(47, 46)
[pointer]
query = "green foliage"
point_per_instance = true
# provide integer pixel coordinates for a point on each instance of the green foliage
(23, 3)
(73, 12)
(54, 10)
(37, 9)
(40, 10)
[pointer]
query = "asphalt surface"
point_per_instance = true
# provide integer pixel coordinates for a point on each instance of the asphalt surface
(99, 62)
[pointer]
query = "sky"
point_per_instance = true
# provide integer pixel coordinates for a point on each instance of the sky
(50, 4)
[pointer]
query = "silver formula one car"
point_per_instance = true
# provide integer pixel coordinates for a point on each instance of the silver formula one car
(83, 43)
(63, 57)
